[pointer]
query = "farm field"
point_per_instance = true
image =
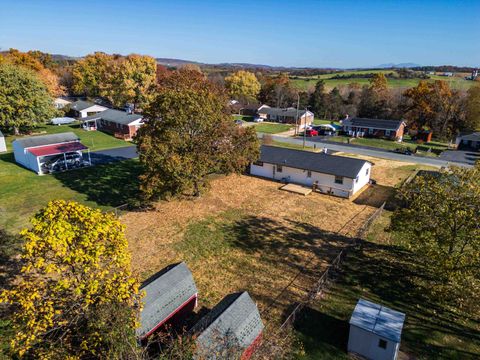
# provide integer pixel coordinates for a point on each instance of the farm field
(383, 271)
(305, 83)
(245, 234)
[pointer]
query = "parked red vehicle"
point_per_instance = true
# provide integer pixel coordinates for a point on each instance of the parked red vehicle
(312, 132)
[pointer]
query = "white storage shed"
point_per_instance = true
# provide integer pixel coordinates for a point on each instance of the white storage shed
(375, 331)
(3, 145)
(335, 175)
(34, 152)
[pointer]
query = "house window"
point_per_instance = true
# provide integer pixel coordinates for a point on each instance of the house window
(356, 180)
(309, 174)
(338, 179)
(258, 163)
(387, 132)
(279, 168)
(368, 170)
(370, 131)
(382, 344)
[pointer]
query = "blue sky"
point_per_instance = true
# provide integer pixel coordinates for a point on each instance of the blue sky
(290, 33)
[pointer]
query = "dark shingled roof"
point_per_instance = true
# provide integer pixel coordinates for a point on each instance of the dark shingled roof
(281, 111)
(378, 319)
(232, 325)
(165, 293)
(373, 123)
(116, 116)
(81, 105)
(307, 160)
(47, 139)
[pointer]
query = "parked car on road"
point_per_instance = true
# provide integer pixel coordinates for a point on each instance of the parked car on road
(238, 122)
(311, 132)
(404, 151)
(258, 119)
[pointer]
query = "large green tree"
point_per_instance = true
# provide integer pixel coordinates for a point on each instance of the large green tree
(243, 84)
(376, 99)
(189, 135)
(90, 74)
(440, 221)
(24, 98)
(76, 297)
(319, 99)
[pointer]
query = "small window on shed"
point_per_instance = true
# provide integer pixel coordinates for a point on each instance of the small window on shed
(356, 180)
(368, 170)
(382, 343)
(279, 168)
(338, 179)
(309, 174)
(258, 163)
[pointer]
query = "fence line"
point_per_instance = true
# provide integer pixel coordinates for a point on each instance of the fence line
(117, 210)
(319, 286)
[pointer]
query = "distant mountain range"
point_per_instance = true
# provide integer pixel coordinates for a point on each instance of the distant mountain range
(401, 65)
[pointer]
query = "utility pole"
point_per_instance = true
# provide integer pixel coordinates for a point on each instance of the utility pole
(304, 127)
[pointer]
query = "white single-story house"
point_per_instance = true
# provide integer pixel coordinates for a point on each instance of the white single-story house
(121, 124)
(3, 145)
(468, 141)
(335, 175)
(286, 115)
(47, 153)
(83, 109)
(375, 331)
(60, 102)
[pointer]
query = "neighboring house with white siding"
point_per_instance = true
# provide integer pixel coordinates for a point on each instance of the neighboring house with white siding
(83, 109)
(329, 174)
(3, 145)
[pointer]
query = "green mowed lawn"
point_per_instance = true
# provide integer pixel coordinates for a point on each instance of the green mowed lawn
(384, 272)
(95, 140)
(22, 192)
(272, 128)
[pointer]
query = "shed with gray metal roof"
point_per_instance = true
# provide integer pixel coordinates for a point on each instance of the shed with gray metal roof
(375, 331)
(232, 328)
(169, 295)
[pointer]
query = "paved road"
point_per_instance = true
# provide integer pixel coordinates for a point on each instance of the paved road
(113, 155)
(352, 149)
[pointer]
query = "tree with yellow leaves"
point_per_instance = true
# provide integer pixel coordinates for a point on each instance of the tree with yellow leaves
(76, 297)
(243, 84)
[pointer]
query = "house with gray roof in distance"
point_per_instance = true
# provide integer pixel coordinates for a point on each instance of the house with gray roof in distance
(170, 295)
(375, 331)
(378, 128)
(231, 330)
(286, 115)
(82, 108)
(120, 123)
(329, 174)
(470, 141)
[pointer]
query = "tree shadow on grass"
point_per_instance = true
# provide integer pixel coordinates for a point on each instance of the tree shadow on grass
(394, 277)
(107, 185)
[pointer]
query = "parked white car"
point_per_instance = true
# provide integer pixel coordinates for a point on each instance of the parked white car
(258, 119)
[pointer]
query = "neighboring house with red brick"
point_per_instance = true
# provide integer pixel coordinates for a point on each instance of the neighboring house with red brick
(378, 128)
(119, 123)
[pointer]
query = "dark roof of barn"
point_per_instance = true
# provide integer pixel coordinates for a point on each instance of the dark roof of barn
(307, 160)
(234, 322)
(374, 123)
(81, 105)
(281, 111)
(50, 139)
(472, 136)
(378, 319)
(116, 116)
(165, 292)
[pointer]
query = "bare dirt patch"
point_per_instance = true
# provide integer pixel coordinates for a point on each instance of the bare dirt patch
(245, 234)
